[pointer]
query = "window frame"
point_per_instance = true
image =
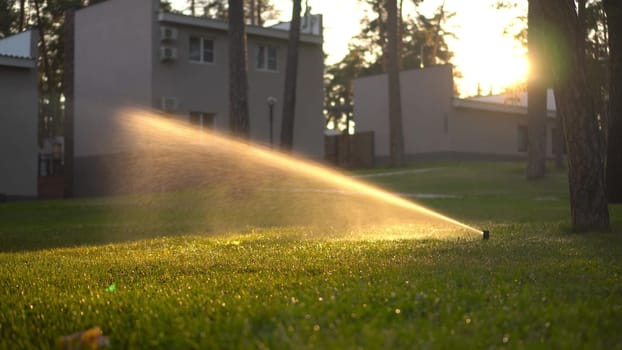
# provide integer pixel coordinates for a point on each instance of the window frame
(263, 58)
(202, 117)
(202, 50)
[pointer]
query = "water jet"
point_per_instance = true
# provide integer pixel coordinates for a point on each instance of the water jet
(223, 183)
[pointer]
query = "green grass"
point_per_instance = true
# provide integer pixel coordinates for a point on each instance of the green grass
(180, 283)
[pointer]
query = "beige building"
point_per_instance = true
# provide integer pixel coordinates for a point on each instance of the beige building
(19, 108)
(129, 53)
(438, 125)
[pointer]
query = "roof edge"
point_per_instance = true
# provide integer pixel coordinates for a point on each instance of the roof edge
(495, 107)
(18, 62)
(204, 22)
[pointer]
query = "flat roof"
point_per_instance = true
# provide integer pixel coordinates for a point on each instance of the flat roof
(209, 23)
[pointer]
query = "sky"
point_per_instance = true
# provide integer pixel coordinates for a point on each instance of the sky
(483, 53)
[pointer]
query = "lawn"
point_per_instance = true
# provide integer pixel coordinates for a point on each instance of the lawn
(183, 280)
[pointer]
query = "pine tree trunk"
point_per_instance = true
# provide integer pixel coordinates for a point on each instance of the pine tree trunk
(575, 107)
(259, 9)
(613, 10)
(238, 71)
(291, 72)
(68, 87)
(396, 136)
(558, 144)
(22, 14)
(252, 12)
(50, 90)
(400, 33)
(536, 92)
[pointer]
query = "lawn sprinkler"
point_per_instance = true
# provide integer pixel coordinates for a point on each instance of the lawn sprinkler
(486, 234)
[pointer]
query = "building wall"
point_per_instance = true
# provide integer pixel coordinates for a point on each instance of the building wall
(480, 131)
(203, 87)
(197, 86)
(19, 110)
(309, 121)
(371, 111)
(426, 103)
(18, 131)
(113, 68)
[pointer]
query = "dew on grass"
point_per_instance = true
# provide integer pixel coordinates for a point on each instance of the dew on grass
(178, 178)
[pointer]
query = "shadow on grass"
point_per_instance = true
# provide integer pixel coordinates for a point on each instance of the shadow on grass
(28, 226)
(37, 225)
(31, 226)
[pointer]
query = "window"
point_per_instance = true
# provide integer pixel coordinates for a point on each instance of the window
(267, 58)
(202, 120)
(522, 138)
(201, 50)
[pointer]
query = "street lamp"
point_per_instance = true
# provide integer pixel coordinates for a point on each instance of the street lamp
(271, 102)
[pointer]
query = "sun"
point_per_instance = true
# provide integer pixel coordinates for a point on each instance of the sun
(488, 61)
(493, 74)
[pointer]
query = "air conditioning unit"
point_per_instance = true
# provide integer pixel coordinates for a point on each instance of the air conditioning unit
(168, 53)
(169, 104)
(168, 33)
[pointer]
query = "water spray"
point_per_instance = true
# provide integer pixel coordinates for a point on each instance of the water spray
(144, 129)
(486, 234)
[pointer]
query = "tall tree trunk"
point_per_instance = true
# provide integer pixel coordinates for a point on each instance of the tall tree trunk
(291, 73)
(400, 33)
(50, 83)
(536, 92)
(382, 33)
(437, 29)
(68, 87)
(252, 12)
(396, 136)
(259, 9)
(238, 71)
(575, 106)
(22, 14)
(613, 9)
(558, 144)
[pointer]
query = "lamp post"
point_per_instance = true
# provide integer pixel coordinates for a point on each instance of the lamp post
(271, 102)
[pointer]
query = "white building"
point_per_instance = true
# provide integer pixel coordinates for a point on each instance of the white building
(438, 125)
(131, 53)
(19, 108)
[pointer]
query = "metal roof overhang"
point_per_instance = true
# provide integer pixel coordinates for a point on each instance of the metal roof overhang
(18, 62)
